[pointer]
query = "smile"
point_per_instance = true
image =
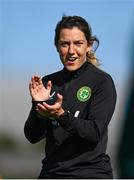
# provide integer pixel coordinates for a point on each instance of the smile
(71, 59)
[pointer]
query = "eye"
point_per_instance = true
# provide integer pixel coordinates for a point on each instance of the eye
(78, 43)
(64, 44)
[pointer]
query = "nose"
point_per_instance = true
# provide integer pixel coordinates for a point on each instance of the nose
(71, 49)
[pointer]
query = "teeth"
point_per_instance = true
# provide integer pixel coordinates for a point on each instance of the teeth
(71, 59)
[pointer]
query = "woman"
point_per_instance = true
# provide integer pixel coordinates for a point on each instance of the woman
(72, 108)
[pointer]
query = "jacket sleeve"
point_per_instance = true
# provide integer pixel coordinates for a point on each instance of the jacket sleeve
(35, 127)
(100, 111)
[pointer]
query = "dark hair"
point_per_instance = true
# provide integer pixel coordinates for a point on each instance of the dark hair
(76, 21)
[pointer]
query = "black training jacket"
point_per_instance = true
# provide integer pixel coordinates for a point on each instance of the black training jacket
(76, 142)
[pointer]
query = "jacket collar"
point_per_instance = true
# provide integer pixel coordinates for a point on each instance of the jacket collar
(68, 75)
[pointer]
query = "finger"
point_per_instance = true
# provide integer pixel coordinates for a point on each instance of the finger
(31, 87)
(33, 92)
(59, 98)
(56, 105)
(47, 106)
(41, 106)
(51, 108)
(35, 80)
(32, 80)
(33, 84)
(40, 81)
(40, 84)
(49, 85)
(36, 77)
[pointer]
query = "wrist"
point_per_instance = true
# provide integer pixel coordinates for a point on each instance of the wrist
(34, 103)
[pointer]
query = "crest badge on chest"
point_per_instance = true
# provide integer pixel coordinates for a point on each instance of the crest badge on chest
(84, 93)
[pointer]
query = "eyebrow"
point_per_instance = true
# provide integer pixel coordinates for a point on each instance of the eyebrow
(79, 40)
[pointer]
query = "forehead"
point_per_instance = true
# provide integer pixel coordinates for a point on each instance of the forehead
(72, 34)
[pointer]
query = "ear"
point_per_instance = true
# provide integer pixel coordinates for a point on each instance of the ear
(89, 47)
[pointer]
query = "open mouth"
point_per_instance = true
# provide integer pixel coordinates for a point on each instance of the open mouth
(71, 60)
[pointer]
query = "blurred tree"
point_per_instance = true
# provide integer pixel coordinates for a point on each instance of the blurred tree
(7, 143)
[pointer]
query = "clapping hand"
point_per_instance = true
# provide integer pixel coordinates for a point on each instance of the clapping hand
(39, 92)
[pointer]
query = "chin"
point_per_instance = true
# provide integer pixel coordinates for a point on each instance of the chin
(71, 68)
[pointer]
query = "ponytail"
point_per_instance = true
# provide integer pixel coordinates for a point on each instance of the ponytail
(91, 54)
(92, 58)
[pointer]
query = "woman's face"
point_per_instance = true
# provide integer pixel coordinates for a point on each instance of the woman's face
(72, 48)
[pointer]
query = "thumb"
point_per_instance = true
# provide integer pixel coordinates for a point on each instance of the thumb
(59, 98)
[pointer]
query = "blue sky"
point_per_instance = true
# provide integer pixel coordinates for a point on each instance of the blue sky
(28, 32)
(27, 48)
